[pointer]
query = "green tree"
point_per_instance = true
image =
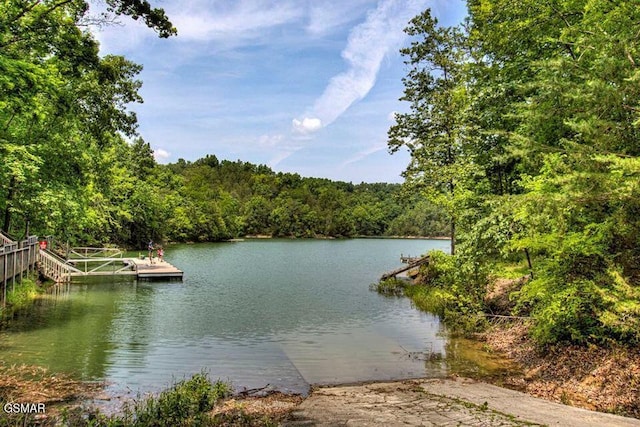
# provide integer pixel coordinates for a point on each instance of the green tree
(58, 99)
(433, 131)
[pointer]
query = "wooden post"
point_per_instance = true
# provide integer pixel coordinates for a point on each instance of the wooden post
(4, 279)
(21, 264)
(13, 272)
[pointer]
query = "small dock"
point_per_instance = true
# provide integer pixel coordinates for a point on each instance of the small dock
(404, 271)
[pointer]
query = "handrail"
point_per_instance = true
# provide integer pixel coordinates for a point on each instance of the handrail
(17, 258)
(54, 268)
(90, 252)
(6, 240)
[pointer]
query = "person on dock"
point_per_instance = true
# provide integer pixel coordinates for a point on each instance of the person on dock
(160, 254)
(150, 247)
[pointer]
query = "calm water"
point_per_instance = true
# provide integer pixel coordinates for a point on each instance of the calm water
(288, 313)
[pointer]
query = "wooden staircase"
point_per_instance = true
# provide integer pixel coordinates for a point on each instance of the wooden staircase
(55, 268)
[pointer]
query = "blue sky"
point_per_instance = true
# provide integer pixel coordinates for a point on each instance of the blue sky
(306, 86)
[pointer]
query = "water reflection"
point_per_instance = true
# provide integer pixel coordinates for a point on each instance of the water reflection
(285, 313)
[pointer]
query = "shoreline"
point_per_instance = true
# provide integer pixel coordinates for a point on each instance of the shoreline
(419, 399)
(266, 237)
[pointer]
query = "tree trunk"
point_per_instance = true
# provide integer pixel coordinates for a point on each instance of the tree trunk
(7, 209)
(453, 236)
(526, 252)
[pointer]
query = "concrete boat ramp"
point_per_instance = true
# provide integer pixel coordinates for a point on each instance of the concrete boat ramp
(440, 402)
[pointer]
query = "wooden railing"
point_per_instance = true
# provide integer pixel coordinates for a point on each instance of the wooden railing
(5, 240)
(16, 260)
(54, 267)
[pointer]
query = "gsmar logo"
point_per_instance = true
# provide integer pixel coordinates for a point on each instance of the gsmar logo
(24, 408)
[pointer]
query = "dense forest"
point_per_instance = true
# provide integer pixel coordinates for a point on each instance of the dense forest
(73, 165)
(524, 127)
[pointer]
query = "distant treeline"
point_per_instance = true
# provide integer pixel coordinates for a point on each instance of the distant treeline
(210, 200)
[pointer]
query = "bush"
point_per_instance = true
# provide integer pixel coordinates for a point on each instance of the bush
(581, 310)
(21, 297)
(390, 287)
(568, 315)
(440, 271)
(450, 290)
(187, 403)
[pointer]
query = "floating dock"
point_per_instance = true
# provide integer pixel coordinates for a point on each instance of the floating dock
(60, 269)
(142, 269)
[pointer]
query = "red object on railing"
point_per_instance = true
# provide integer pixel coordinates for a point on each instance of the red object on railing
(43, 244)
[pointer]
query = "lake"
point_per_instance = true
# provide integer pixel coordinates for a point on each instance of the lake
(287, 313)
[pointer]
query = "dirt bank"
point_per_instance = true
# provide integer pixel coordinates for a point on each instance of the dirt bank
(33, 384)
(598, 378)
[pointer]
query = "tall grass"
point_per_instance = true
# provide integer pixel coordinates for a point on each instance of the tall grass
(187, 403)
(19, 298)
(391, 287)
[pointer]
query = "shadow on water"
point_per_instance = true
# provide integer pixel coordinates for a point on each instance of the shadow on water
(68, 328)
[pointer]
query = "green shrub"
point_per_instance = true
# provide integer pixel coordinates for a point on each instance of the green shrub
(573, 309)
(186, 403)
(452, 291)
(567, 314)
(440, 271)
(391, 286)
(20, 297)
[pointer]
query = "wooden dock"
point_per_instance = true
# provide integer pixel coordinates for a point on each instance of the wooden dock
(66, 264)
(413, 263)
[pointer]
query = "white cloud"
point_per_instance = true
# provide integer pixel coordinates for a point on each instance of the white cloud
(368, 44)
(161, 154)
(203, 20)
(364, 153)
(307, 125)
(325, 18)
(270, 140)
(392, 116)
(230, 23)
